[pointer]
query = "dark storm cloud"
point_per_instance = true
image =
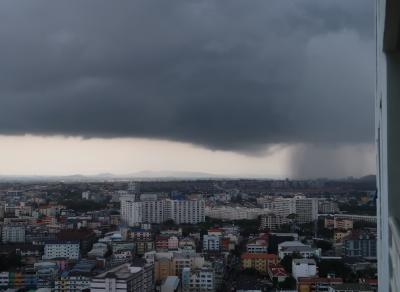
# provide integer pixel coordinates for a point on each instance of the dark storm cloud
(233, 75)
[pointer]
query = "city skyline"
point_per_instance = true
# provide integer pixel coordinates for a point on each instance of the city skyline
(199, 145)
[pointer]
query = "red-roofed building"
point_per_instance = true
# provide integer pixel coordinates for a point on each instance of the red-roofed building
(215, 231)
(47, 220)
(276, 271)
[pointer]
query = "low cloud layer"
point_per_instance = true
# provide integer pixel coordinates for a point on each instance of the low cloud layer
(227, 75)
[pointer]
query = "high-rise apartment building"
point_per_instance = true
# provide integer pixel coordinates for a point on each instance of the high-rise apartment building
(388, 143)
(306, 209)
(131, 210)
(134, 188)
(272, 221)
(153, 211)
(327, 207)
(186, 211)
(281, 206)
(134, 212)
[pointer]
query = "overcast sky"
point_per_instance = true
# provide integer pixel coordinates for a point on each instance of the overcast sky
(273, 88)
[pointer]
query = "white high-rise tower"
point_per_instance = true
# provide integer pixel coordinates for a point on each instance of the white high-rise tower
(388, 143)
(131, 210)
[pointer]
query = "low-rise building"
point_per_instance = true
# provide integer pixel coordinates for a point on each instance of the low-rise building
(290, 247)
(272, 221)
(13, 233)
(257, 245)
(339, 234)
(161, 243)
(68, 282)
(122, 278)
(317, 284)
(121, 257)
(211, 242)
(304, 268)
(327, 207)
(351, 287)
(46, 273)
(163, 268)
(61, 249)
(187, 243)
(173, 243)
(360, 244)
(277, 273)
(202, 279)
(258, 261)
(274, 239)
(139, 234)
(329, 222)
(343, 223)
(143, 246)
(171, 284)
(186, 260)
(357, 218)
(86, 238)
(17, 281)
(98, 250)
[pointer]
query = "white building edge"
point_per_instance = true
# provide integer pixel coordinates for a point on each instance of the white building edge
(388, 142)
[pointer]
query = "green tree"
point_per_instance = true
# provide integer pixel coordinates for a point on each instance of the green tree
(286, 262)
(289, 283)
(336, 267)
(323, 245)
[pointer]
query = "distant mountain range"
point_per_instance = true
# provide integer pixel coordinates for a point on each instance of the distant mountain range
(147, 175)
(144, 175)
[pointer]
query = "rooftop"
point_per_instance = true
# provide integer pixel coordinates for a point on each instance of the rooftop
(121, 272)
(354, 287)
(291, 244)
(62, 242)
(266, 256)
(309, 280)
(75, 234)
(171, 282)
(277, 270)
(304, 261)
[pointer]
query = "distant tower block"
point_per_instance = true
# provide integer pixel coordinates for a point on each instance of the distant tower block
(134, 188)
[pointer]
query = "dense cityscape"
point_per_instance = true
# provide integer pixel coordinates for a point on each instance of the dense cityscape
(200, 146)
(189, 235)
